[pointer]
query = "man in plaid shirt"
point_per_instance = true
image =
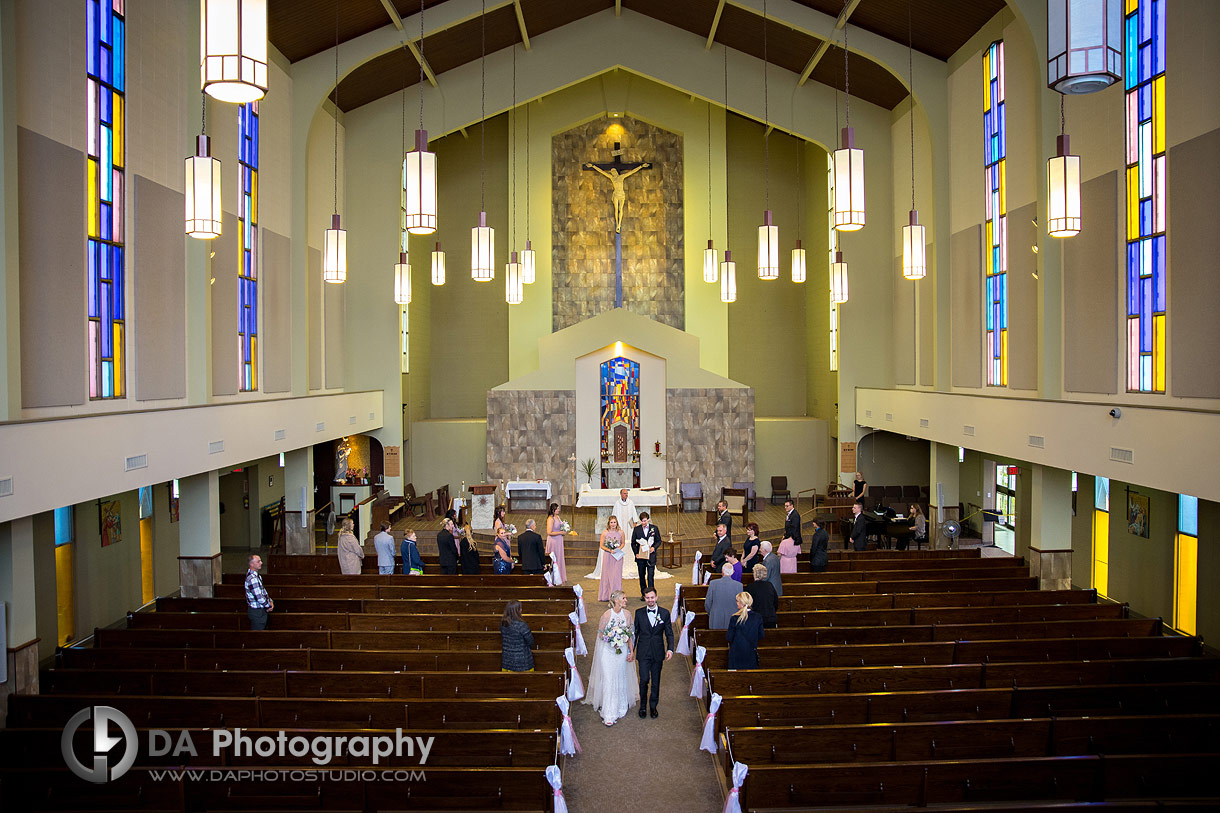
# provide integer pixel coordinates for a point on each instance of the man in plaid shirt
(256, 595)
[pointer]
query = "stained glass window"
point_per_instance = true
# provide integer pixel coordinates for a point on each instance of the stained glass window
(1146, 174)
(65, 532)
(995, 241)
(1101, 535)
(620, 414)
(1186, 565)
(247, 264)
(104, 93)
(833, 246)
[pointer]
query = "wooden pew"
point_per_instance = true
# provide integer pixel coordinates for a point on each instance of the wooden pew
(238, 683)
(366, 579)
(157, 711)
(338, 638)
(948, 615)
(445, 602)
(692, 598)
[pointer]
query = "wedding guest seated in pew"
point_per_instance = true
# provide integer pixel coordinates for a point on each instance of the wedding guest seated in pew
(257, 600)
(516, 640)
(383, 543)
(766, 603)
(745, 630)
(771, 563)
(731, 558)
(412, 562)
(351, 552)
(721, 599)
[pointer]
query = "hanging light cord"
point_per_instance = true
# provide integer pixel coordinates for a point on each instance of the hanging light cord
(766, 121)
(203, 106)
(336, 108)
(512, 231)
(421, 64)
(483, 114)
(709, 170)
(911, 73)
(527, 172)
(1062, 115)
(846, 73)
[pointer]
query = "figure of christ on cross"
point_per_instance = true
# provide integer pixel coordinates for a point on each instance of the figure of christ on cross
(617, 171)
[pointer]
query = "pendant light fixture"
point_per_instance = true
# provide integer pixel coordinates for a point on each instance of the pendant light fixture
(203, 212)
(233, 49)
(334, 241)
(798, 253)
(529, 260)
(1084, 45)
(402, 280)
(768, 233)
(514, 291)
(838, 279)
(914, 245)
(419, 165)
(482, 236)
(728, 278)
(438, 266)
(1063, 186)
(849, 162)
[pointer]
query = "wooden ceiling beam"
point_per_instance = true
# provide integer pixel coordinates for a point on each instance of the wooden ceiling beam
(711, 35)
(525, 34)
(825, 44)
(419, 57)
(395, 17)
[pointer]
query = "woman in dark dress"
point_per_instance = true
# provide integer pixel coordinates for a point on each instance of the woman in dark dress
(859, 488)
(516, 641)
(468, 553)
(750, 555)
(745, 630)
(818, 556)
(766, 603)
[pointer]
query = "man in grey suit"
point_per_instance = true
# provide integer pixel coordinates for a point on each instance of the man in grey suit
(771, 562)
(721, 601)
(722, 545)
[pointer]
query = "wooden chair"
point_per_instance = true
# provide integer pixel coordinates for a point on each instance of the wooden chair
(738, 500)
(424, 503)
(443, 500)
(779, 488)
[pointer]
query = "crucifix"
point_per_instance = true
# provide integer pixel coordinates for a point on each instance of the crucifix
(617, 172)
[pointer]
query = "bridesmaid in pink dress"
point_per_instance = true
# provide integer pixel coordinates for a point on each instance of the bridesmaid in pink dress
(554, 543)
(612, 569)
(788, 552)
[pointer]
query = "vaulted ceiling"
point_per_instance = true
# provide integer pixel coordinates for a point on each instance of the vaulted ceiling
(937, 28)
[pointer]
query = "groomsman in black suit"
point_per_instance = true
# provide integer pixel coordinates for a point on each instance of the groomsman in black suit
(447, 549)
(722, 545)
(792, 523)
(859, 527)
(725, 518)
(654, 645)
(645, 534)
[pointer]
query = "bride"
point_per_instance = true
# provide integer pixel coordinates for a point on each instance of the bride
(613, 688)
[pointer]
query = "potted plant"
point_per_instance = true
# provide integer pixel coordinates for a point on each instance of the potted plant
(588, 467)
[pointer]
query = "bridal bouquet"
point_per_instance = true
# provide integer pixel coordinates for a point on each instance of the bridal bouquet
(512, 530)
(617, 635)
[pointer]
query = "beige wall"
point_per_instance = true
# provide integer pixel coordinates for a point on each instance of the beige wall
(449, 451)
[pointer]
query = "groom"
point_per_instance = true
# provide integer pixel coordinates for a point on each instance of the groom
(651, 650)
(646, 539)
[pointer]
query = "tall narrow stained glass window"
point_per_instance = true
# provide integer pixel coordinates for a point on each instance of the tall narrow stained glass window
(1101, 535)
(833, 246)
(1146, 175)
(247, 260)
(1186, 566)
(104, 93)
(620, 416)
(995, 239)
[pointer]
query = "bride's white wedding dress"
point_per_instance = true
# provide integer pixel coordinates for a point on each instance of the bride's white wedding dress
(613, 685)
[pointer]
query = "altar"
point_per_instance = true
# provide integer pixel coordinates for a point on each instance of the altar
(604, 499)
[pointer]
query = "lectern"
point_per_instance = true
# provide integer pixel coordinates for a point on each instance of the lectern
(482, 505)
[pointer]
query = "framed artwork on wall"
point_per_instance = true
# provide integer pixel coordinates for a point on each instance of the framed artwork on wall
(110, 516)
(1137, 514)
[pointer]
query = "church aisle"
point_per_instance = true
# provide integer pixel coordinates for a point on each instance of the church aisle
(649, 764)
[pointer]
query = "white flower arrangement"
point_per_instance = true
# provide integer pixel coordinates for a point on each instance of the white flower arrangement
(617, 635)
(566, 526)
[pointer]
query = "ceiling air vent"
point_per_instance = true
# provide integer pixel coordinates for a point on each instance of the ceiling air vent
(868, 413)
(6, 487)
(968, 430)
(280, 434)
(216, 447)
(1037, 441)
(923, 423)
(351, 419)
(889, 416)
(134, 462)
(320, 426)
(1122, 455)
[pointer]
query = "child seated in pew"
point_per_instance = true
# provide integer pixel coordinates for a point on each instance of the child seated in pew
(516, 640)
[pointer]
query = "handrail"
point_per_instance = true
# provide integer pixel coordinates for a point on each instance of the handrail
(323, 508)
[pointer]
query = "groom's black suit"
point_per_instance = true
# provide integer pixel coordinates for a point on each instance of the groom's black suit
(647, 567)
(650, 649)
